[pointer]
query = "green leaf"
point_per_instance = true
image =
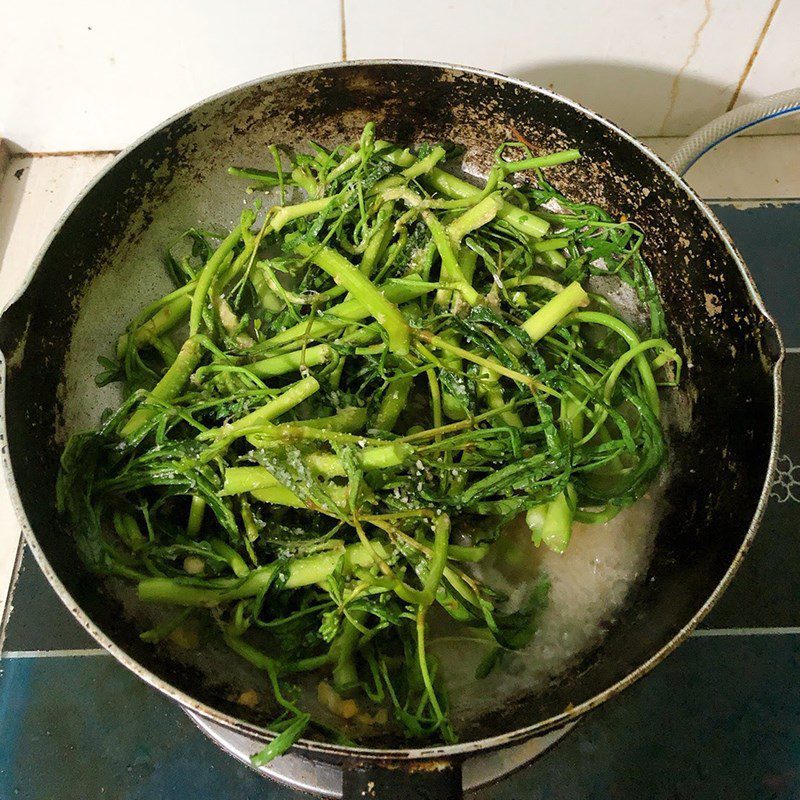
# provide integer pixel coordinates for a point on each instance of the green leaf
(282, 742)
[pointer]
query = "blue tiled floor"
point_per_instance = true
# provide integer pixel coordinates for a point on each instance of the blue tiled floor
(34, 603)
(768, 238)
(718, 719)
(80, 728)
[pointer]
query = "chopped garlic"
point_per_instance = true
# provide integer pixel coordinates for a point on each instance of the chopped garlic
(248, 698)
(193, 565)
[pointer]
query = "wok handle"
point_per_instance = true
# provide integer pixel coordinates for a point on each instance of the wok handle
(433, 780)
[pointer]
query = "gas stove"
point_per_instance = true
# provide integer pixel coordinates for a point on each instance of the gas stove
(325, 780)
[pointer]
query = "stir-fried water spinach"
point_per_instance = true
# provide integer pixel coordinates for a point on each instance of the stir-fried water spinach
(345, 399)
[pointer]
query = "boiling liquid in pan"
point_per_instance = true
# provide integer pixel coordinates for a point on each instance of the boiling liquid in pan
(590, 583)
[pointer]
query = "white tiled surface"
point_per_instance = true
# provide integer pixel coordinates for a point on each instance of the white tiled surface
(34, 194)
(655, 68)
(94, 75)
(751, 167)
(777, 66)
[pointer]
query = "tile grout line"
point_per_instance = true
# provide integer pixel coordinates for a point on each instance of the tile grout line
(735, 200)
(343, 29)
(710, 632)
(79, 652)
(753, 55)
(700, 633)
(675, 88)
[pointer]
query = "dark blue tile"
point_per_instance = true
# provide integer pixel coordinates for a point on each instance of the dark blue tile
(39, 620)
(767, 237)
(765, 590)
(77, 728)
(720, 718)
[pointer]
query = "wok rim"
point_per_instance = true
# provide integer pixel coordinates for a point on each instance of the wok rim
(439, 752)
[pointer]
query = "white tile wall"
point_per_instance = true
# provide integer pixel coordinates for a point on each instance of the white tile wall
(777, 65)
(656, 68)
(95, 75)
(33, 195)
(745, 168)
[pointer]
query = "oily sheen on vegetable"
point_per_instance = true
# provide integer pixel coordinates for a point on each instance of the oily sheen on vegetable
(343, 403)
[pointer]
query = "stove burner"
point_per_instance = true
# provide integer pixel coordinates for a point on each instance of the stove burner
(325, 780)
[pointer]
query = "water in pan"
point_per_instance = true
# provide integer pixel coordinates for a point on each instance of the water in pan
(589, 585)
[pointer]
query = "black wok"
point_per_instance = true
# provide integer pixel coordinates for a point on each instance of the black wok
(108, 247)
